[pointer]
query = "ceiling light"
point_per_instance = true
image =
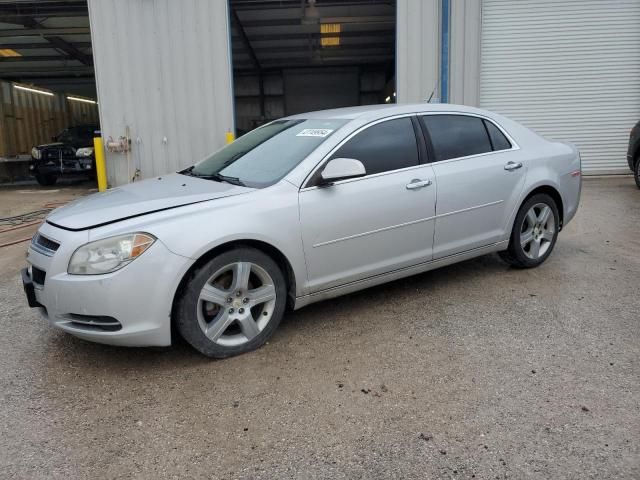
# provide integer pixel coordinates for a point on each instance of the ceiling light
(330, 28)
(334, 30)
(9, 52)
(83, 100)
(33, 90)
(330, 41)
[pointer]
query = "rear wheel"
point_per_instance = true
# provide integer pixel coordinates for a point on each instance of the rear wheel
(232, 304)
(534, 233)
(46, 180)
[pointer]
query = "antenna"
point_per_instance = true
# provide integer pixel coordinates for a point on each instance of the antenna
(431, 96)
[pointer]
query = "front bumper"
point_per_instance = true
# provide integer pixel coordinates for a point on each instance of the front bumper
(129, 307)
(67, 166)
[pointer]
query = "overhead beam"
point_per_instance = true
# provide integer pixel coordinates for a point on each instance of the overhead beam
(32, 46)
(378, 34)
(43, 9)
(70, 49)
(354, 60)
(283, 4)
(246, 44)
(43, 70)
(30, 32)
(62, 80)
(36, 58)
(273, 68)
(377, 19)
(305, 48)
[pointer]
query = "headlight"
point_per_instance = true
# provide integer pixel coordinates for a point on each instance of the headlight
(109, 254)
(36, 153)
(84, 152)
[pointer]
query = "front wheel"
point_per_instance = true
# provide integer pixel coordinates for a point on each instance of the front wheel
(46, 180)
(232, 304)
(534, 233)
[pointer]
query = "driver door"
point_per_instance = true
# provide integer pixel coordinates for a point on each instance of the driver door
(362, 227)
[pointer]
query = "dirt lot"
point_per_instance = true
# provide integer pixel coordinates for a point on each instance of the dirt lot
(472, 371)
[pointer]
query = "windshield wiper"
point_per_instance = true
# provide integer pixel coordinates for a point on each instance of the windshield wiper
(224, 178)
(188, 171)
(218, 177)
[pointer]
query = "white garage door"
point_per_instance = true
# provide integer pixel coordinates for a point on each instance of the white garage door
(568, 69)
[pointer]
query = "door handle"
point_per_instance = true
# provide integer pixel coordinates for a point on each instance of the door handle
(417, 183)
(512, 166)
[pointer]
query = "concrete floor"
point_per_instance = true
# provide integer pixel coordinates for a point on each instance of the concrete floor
(472, 371)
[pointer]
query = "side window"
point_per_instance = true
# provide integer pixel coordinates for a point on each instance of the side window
(456, 136)
(498, 140)
(386, 146)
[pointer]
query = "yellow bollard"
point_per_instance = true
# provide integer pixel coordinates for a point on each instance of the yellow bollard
(229, 137)
(101, 170)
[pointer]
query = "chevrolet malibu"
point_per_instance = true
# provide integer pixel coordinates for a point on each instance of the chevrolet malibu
(302, 209)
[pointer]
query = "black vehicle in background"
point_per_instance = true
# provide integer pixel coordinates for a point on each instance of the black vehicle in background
(70, 154)
(633, 154)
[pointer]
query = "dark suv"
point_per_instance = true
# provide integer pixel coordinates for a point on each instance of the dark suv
(633, 154)
(70, 154)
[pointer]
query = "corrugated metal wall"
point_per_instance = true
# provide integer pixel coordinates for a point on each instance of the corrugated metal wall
(464, 52)
(417, 50)
(28, 119)
(162, 71)
(568, 69)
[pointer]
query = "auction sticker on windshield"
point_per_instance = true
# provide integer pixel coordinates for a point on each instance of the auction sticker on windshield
(314, 132)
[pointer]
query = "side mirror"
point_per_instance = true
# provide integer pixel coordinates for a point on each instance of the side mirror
(342, 169)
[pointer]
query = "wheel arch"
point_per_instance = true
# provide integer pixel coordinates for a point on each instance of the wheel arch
(553, 193)
(268, 249)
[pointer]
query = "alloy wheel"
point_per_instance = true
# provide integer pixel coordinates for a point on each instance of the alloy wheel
(236, 304)
(538, 231)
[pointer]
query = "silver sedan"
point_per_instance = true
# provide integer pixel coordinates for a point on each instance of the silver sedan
(302, 209)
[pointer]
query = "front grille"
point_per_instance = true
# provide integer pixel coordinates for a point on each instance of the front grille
(43, 243)
(38, 276)
(55, 153)
(92, 322)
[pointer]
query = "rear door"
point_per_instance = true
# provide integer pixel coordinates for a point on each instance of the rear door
(362, 227)
(478, 183)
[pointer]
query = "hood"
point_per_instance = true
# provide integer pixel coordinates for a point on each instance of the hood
(139, 198)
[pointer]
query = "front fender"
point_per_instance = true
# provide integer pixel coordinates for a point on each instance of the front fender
(269, 215)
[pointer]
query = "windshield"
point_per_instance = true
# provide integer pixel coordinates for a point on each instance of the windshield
(77, 134)
(265, 155)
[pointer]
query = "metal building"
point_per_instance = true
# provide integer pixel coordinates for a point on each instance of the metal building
(174, 78)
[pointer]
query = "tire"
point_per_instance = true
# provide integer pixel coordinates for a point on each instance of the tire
(232, 304)
(636, 172)
(534, 233)
(46, 180)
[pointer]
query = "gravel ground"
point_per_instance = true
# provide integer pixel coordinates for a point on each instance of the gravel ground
(471, 371)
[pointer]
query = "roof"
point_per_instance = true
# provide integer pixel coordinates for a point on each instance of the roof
(383, 110)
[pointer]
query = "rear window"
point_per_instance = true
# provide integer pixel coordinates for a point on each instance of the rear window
(454, 136)
(498, 140)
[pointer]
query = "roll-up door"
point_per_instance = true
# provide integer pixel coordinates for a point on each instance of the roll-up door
(569, 70)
